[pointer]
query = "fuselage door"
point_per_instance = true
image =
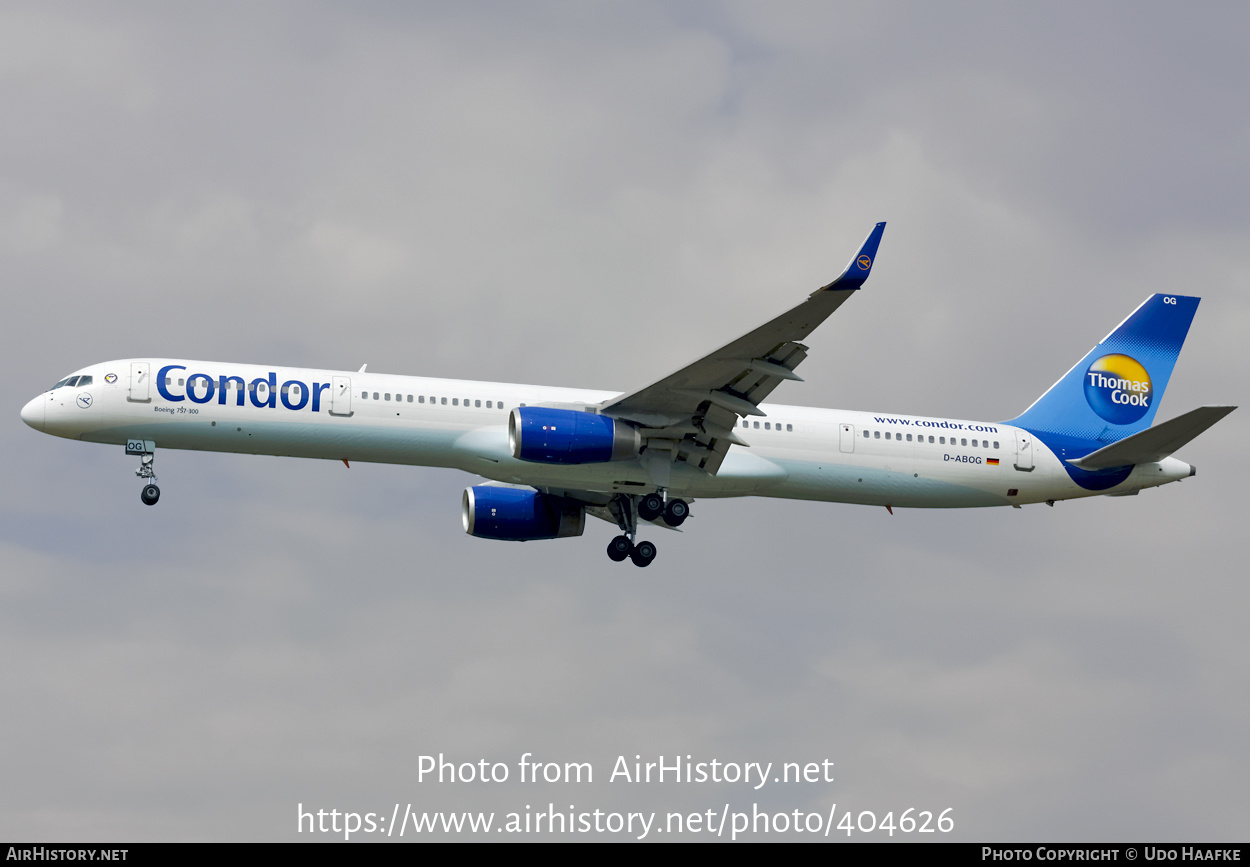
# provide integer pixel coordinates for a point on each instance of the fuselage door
(1024, 450)
(341, 396)
(140, 382)
(847, 442)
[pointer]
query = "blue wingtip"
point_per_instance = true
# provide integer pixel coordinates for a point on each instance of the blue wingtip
(860, 267)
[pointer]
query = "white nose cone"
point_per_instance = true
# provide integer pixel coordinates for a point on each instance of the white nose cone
(32, 413)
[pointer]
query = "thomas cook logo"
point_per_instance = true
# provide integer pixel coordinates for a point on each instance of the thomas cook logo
(1118, 388)
(863, 262)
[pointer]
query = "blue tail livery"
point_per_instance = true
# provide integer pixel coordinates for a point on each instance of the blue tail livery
(1115, 389)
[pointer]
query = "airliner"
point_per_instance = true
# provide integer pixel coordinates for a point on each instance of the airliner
(551, 456)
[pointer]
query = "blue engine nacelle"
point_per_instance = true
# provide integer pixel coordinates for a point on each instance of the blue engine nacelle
(568, 436)
(520, 514)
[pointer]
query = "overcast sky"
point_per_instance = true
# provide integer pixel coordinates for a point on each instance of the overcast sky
(593, 194)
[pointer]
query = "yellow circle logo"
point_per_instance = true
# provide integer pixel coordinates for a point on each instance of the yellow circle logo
(1118, 388)
(864, 262)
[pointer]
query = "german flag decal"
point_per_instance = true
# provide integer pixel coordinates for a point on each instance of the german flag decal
(993, 462)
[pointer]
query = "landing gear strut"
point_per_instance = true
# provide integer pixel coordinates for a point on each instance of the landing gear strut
(628, 509)
(146, 449)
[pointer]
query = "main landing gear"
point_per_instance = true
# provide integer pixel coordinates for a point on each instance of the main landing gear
(628, 510)
(653, 506)
(146, 449)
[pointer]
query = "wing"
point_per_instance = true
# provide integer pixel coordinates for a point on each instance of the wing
(690, 415)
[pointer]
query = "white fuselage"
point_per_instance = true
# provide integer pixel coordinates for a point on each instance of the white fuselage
(794, 452)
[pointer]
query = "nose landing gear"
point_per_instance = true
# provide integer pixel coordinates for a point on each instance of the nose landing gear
(146, 449)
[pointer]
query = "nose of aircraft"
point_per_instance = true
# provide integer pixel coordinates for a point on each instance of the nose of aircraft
(32, 413)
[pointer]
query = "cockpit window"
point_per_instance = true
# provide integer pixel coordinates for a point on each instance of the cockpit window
(84, 380)
(69, 380)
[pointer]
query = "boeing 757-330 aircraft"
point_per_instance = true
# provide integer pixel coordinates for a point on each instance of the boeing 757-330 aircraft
(552, 456)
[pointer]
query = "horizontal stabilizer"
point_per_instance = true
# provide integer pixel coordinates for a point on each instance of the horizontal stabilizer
(1156, 443)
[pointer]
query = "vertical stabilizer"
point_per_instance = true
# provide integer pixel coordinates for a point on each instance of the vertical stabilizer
(1114, 390)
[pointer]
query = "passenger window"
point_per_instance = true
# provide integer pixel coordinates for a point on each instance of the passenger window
(766, 426)
(942, 440)
(387, 395)
(410, 398)
(444, 401)
(789, 427)
(930, 439)
(757, 425)
(488, 404)
(876, 434)
(477, 403)
(995, 444)
(420, 398)
(963, 442)
(746, 423)
(865, 434)
(181, 381)
(887, 434)
(909, 437)
(375, 395)
(455, 401)
(364, 395)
